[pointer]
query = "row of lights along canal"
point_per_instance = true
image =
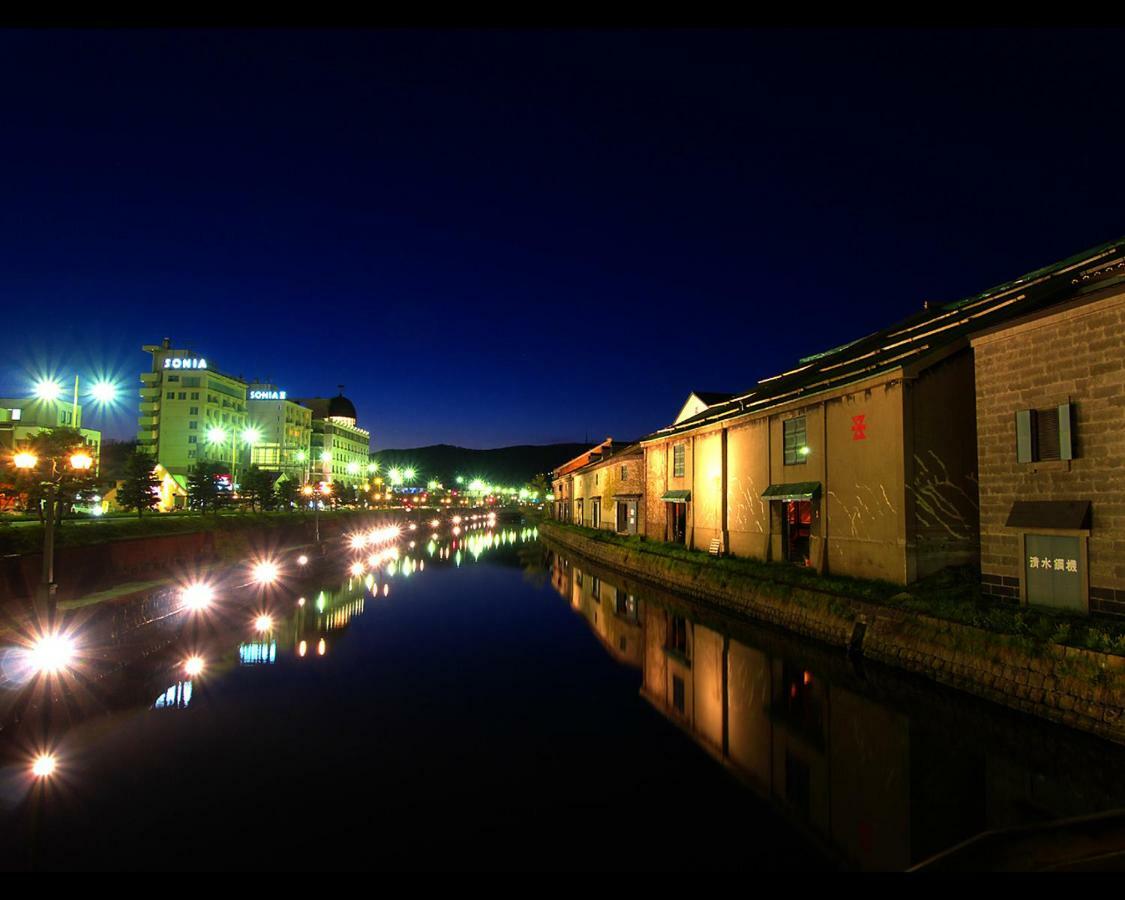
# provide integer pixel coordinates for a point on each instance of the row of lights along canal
(54, 653)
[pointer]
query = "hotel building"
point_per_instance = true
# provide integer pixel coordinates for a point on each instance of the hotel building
(340, 450)
(184, 399)
(284, 430)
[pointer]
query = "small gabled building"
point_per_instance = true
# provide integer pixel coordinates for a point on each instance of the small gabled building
(562, 481)
(697, 402)
(608, 492)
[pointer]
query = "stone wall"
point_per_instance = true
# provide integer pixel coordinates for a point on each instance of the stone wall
(1078, 688)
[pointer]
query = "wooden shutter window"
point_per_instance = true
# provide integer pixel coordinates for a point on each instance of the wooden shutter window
(1066, 442)
(1047, 433)
(1023, 436)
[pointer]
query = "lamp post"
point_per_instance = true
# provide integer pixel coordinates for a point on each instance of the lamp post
(80, 461)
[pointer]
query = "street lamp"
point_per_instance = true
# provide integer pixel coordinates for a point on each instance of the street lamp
(81, 461)
(102, 392)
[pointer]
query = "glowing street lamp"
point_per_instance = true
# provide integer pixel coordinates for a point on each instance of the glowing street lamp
(217, 435)
(81, 460)
(266, 572)
(51, 654)
(103, 392)
(44, 765)
(25, 460)
(251, 435)
(197, 597)
(193, 666)
(48, 389)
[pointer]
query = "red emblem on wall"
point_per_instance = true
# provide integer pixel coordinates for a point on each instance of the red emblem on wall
(859, 427)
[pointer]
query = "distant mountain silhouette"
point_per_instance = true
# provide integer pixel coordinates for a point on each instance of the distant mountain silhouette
(503, 465)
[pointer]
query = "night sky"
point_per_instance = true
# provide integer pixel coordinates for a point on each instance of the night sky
(498, 237)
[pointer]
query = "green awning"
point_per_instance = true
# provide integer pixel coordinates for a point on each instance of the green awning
(802, 490)
(676, 496)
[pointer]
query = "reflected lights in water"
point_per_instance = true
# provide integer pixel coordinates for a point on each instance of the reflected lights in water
(257, 653)
(178, 696)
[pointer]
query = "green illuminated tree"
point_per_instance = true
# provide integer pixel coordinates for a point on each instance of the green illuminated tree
(203, 491)
(287, 492)
(54, 449)
(257, 488)
(140, 486)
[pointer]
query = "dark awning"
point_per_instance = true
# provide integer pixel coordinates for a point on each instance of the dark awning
(627, 496)
(1072, 515)
(676, 496)
(801, 490)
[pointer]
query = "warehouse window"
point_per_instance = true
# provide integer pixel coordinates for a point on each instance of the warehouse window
(678, 453)
(1044, 434)
(795, 438)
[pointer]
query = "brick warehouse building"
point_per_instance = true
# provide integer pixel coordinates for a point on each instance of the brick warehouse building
(862, 460)
(1050, 390)
(608, 492)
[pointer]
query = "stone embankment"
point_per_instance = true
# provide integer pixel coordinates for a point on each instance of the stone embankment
(1079, 688)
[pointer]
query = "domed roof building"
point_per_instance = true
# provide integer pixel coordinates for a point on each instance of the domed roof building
(340, 450)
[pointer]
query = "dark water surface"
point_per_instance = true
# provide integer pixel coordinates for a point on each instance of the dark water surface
(496, 704)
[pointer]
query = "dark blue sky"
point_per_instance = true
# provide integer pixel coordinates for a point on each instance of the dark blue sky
(501, 237)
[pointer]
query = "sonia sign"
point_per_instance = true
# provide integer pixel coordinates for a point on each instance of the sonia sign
(176, 362)
(267, 395)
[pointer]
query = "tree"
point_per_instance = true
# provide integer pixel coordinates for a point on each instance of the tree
(541, 484)
(344, 494)
(287, 492)
(257, 488)
(203, 491)
(139, 488)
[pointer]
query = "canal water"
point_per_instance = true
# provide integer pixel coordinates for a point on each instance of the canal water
(482, 700)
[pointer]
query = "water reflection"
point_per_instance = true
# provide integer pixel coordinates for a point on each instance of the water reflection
(883, 768)
(176, 640)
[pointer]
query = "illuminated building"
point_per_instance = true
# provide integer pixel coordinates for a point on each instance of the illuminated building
(862, 460)
(606, 491)
(562, 482)
(339, 448)
(185, 402)
(22, 419)
(284, 429)
(1049, 389)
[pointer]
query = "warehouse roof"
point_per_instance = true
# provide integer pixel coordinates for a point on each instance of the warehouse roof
(921, 335)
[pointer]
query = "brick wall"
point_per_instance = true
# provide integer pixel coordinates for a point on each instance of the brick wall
(1074, 356)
